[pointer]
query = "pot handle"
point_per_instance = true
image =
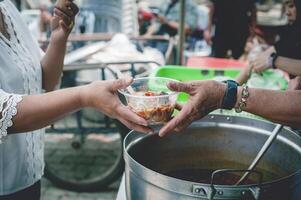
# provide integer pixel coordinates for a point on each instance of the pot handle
(254, 191)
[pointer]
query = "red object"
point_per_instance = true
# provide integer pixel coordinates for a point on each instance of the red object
(145, 15)
(215, 63)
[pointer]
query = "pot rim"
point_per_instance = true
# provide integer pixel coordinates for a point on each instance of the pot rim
(131, 164)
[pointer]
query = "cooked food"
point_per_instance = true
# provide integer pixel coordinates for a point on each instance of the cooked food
(162, 113)
(154, 110)
(150, 94)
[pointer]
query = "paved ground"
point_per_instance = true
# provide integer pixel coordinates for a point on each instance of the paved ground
(94, 157)
(50, 192)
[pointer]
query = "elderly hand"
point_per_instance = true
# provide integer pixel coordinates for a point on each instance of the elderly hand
(102, 95)
(63, 19)
(205, 97)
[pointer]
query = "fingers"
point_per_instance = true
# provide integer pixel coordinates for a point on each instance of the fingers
(67, 19)
(180, 87)
(258, 70)
(179, 107)
(64, 26)
(184, 124)
(68, 7)
(125, 113)
(136, 127)
(121, 84)
(175, 122)
(72, 8)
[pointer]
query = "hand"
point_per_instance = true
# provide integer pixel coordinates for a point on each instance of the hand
(262, 62)
(294, 84)
(63, 20)
(102, 95)
(207, 36)
(205, 97)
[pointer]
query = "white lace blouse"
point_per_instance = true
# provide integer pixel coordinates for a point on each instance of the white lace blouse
(21, 155)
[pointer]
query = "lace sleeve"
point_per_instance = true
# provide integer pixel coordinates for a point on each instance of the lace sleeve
(8, 109)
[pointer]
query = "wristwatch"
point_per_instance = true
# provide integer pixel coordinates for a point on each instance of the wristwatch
(274, 57)
(230, 96)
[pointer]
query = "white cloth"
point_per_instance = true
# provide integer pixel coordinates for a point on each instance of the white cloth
(21, 155)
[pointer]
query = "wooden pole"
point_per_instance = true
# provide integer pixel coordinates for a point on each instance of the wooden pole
(181, 31)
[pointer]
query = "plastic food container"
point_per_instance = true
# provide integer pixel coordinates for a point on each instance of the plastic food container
(151, 99)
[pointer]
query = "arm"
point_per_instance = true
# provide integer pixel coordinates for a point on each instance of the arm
(37, 111)
(289, 65)
(208, 30)
(53, 61)
(244, 75)
(207, 96)
(175, 25)
(277, 106)
(152, 29)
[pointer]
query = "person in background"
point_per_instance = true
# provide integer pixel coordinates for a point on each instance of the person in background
(234, 22)
(168, 21)
(45, 21)
(28, 102)
(286, 53)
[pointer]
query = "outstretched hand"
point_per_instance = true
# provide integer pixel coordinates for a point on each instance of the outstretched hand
(102, 95)
(205, 97)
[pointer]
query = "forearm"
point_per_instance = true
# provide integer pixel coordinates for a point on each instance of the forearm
(175, 25)
(210, 16)
(274, 106)
(53, 62)
(38, 111)
(291, 66)
(151, 30)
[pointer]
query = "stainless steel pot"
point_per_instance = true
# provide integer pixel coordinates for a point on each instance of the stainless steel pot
(214, 143)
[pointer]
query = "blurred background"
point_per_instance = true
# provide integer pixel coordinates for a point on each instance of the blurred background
(83, 152)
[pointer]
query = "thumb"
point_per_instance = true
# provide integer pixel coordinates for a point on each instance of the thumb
(64, 26)
(180, 87)
(121, 83)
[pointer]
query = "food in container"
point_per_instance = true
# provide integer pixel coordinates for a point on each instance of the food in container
(151, 99)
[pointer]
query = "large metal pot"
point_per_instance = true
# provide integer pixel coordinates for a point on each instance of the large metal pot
(216, 142)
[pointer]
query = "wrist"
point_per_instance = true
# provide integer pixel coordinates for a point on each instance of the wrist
(221, 90)
(274, 60)
(239, 96)
(242, 100)
(60, 39)
(84, 96)
(230, 95)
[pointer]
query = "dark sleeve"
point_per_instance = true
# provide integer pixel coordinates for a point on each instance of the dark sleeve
(289, 45)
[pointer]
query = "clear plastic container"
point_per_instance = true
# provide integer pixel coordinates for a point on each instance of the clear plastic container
(151, 99)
